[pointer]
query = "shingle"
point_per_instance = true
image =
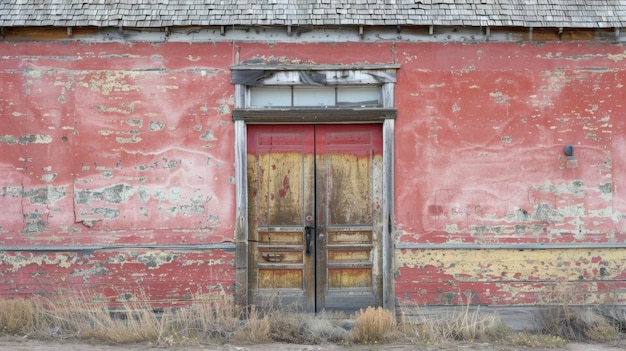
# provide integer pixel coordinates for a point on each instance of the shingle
(523, 13)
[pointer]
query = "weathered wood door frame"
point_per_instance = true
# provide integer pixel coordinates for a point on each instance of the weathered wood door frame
(385, 115)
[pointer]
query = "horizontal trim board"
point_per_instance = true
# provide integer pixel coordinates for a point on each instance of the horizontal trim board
(218, 246)
(404, 246)
(319, 33)
(331, 115)
(413, 246)
(312, 67)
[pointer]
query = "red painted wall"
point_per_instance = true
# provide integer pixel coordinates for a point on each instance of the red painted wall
(486, 125)
(120, 144)
(113, 144)
(480, 161)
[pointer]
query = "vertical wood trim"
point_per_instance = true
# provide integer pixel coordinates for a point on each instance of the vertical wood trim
(388, 200)
(241, 226)
(388, 220)
(387, 94)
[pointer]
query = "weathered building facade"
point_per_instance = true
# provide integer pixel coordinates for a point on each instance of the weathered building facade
(335, 154)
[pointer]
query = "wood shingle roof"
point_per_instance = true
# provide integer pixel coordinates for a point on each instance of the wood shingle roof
(166, 13)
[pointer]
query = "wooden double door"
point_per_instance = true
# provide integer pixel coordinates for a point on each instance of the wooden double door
(315, 215)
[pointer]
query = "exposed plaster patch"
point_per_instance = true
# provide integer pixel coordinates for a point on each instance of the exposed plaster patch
(606, 191)
(575, 188)
(208, 136)
(86, 273)
(545, 212)
(592, 136)
(44, 195)
(165, 88)
(452, 228)
(175, 195)
(12, 191)
(617, 57)
(118, 193)
(106, 109)
(156, 126)
(106, 212)
(144, 194)
(113, 81)
(34, 223)
(160, 195)
(209, 262)
(186, 210)
(132, 140)
(48, 177)
(154, 259)
(499, 97)
(602, 212)
(26, 139)
(224, 105)
(16, 262)
(577, 211)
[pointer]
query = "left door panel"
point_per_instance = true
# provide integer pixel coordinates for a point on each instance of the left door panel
(281, 201)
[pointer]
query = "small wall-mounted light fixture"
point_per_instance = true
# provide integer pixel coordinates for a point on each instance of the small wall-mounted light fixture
(571, 162)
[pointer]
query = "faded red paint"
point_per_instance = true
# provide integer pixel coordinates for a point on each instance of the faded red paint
(165, 277)
(283, 192)
(109, 144)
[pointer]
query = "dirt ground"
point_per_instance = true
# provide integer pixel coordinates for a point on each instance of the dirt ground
(15, 344)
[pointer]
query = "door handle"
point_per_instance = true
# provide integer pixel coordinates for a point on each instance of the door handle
(308, 235)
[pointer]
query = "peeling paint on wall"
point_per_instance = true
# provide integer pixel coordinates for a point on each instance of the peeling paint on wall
(117, 145)
(502, 277)
(127, 273)
(26, 139)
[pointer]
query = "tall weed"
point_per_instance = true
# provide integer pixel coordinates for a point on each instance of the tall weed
(373, 325)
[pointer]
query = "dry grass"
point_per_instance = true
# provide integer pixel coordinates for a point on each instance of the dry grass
(615, 315)
(324, 328)
(373, 325)
(453, 325)
(215, 319)
(463, 325)
(580, 324)
(207, 318)
(16, 316)
(77, 317)
(255, 329)
(302, 328)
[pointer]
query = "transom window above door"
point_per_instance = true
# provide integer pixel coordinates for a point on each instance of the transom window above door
(319, 94)
(315, 96)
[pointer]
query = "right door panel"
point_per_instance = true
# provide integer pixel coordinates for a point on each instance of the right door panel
(349, 216)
